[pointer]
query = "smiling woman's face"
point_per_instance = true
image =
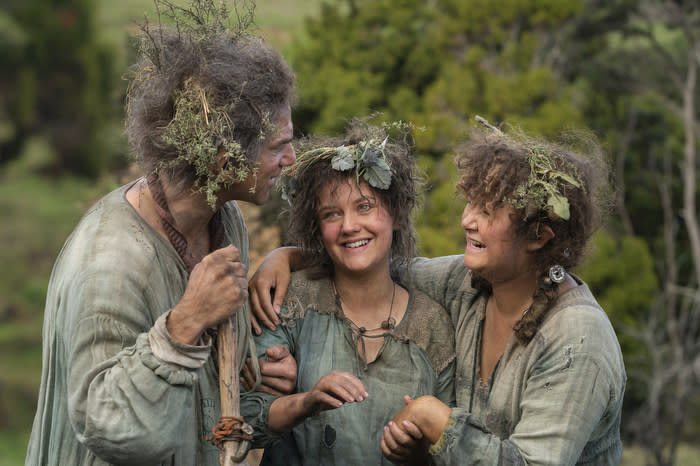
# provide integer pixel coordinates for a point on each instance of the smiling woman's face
(355, 228)
(491, 248)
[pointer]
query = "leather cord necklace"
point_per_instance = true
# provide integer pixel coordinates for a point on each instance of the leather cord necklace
(361, 332)
(177, 239)
(388, 324)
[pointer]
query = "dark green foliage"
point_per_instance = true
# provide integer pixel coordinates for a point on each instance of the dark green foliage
(57, 81)
(439, 231)
(437, 64)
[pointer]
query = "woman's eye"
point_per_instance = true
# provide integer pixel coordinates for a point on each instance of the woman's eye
(365, 207)
(328, 215)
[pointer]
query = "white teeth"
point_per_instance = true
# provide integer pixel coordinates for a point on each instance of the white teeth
(357, 244)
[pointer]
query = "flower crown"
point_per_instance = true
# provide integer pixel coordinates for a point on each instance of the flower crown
(367, 158)
(543, 189)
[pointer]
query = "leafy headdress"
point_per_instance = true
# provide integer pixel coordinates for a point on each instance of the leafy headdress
(367, 158)
(201, 126)
(549, 176)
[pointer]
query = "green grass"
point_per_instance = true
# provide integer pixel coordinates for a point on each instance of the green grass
(12, 446)
(278, 20)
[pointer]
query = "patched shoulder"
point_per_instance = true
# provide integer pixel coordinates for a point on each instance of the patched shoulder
(305, 292)
(429, 327)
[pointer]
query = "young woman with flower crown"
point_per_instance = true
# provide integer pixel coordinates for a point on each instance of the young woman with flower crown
(540, 376)
(361, 341)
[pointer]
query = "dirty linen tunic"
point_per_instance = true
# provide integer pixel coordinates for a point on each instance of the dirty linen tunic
(417, 358)
(556, 401)
(105, 398)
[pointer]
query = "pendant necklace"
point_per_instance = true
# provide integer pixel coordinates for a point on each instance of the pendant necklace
(360, 333)
(388, 324)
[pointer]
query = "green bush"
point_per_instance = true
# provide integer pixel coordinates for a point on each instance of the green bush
(435, 64)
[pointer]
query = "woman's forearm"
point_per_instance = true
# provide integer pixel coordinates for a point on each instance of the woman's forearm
(286, 412)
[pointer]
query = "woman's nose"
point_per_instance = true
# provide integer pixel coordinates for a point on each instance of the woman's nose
(468, 218)
(350, 223)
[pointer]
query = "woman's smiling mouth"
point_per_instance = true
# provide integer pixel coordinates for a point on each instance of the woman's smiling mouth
(356, 244)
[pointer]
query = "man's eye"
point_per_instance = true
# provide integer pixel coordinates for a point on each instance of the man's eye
(365, 207)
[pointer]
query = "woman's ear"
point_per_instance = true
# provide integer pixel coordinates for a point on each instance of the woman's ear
(546, 234)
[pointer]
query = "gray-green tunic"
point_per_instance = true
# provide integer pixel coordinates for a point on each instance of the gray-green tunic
(105, 397)
(417, 358)
(556, 401)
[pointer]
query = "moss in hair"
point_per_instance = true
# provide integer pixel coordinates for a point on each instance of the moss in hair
(203, 88)
(199, 133)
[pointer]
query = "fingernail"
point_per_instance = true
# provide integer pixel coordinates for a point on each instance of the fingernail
(277, 308)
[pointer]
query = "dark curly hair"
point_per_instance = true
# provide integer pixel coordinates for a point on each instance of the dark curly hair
(237, 72)
(400, 199)
(494, 170)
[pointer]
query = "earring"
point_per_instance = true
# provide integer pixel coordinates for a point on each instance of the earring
(557, 273)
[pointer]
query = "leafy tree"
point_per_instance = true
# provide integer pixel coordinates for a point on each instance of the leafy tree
(57, 82)
(437, 64)
(437, 223)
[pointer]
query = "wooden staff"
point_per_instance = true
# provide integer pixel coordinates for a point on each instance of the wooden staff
(233, 450)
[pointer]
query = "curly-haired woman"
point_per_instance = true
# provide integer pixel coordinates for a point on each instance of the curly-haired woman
(361, 340)
(540, 377)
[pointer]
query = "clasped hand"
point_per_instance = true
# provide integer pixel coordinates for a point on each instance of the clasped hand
(217, 287)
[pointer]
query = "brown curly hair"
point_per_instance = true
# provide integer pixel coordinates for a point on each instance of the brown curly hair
(230, 69)
(493, 167)
(400, 199)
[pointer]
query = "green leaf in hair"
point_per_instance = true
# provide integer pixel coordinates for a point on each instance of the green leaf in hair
(343, 159)
(378, 175)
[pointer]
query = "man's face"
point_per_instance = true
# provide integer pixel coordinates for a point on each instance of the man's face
(276, 153)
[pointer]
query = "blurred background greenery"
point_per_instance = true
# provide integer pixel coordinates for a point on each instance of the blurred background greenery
(622, 68)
